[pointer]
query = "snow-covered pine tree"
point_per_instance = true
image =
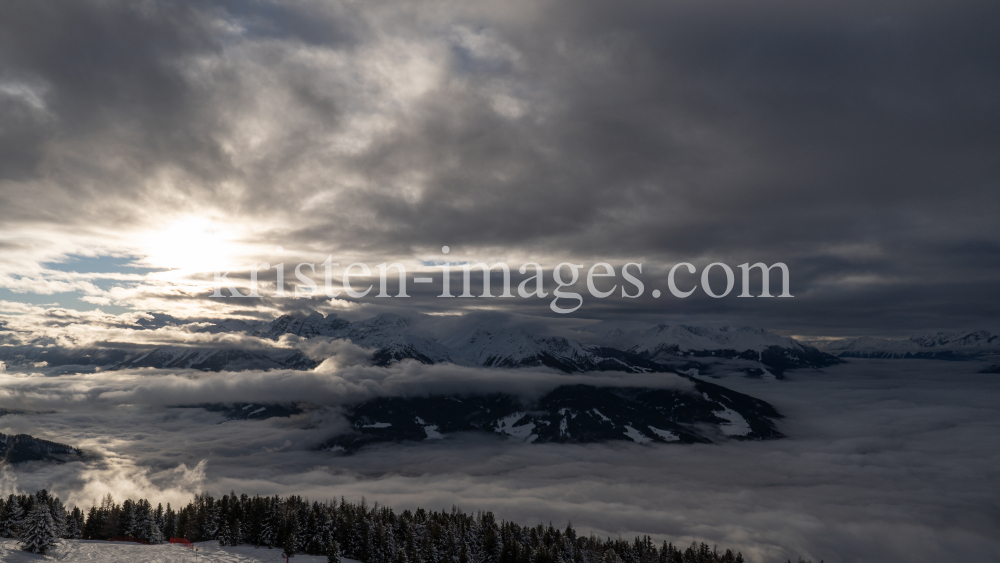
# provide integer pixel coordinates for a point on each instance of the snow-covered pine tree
(74, 524)
(212, 519)
(169, 522)
(271, 523)
(224, 534)
(154, 533)
(325, 529)
(58, 511)
(291, 540)
(388, 544)
(143, 520)
(15, 516)
(314, 543)
(333, 552)
(129, 522)
(38, 532)
(6, 525)
(236, 532)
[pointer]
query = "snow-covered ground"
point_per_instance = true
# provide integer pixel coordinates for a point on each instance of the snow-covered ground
(121, 552)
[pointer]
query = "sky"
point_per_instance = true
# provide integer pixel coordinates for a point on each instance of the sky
(147, 144)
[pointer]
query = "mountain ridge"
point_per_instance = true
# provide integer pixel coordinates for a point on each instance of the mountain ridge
(958, 345)
(394, 338)
(576, 413)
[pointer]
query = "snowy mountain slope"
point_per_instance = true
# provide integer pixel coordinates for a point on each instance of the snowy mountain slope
(306, 326)
(941, 345)
(502, 347)
(225, 326)
(389, 334)
(568, 414)
(687, 338)
(665, 343)
(17, 448)
(391, 337)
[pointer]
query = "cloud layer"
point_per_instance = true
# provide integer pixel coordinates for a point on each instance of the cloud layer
(884, 460)
(852, 141)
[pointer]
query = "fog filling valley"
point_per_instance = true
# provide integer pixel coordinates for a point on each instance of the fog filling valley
(884, 460)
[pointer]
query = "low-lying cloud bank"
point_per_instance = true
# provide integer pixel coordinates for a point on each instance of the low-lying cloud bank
(336, 381)
(885, 461)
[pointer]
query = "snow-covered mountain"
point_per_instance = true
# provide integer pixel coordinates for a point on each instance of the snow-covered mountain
(665, 343)
(217, 359)
(394, 338)
(306, 326)
(507, 347)
(568, 414)
(941, 345)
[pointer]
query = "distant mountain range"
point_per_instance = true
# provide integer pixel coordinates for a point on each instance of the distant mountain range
(17, 448)
(942, 346)
(394, 338)
(666, 343)
(164, 357)
(568, 414)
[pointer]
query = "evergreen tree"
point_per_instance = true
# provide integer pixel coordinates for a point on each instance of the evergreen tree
(333, 552)
(128, 520)
(94, 524)
(291, 543)
(271, 523)
(8, 524)
(14, 517)
(38, 533)
(224, 534)
(74, 524)
(371, 534)
(153, 533)
(212, 520)
(144, 523)
(169, 523)
(58, 511)
(111, 513)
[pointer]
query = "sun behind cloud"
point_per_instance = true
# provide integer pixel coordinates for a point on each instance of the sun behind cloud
(191, 245)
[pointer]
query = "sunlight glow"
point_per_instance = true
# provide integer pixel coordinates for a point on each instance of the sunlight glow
(190, 245)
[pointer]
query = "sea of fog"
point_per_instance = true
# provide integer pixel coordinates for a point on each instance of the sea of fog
(885, 460)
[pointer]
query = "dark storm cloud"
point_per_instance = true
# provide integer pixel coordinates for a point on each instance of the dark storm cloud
(854, 141)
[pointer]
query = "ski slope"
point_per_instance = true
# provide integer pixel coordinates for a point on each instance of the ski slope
(120, 552)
